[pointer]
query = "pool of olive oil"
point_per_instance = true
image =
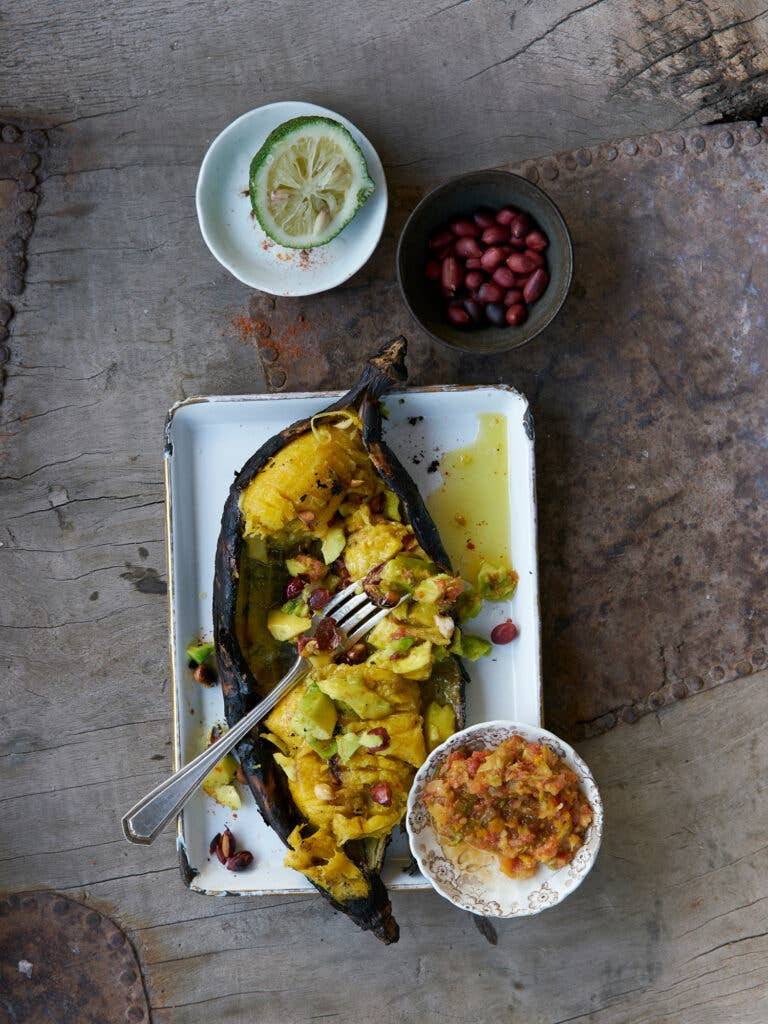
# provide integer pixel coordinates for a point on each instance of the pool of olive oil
(471, 506)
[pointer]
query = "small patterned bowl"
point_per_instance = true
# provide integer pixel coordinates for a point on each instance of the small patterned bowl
(490, 893)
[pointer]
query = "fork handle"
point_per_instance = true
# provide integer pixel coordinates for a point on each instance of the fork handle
(144, 822)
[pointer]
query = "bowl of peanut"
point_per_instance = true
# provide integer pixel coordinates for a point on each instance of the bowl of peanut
(485, 261)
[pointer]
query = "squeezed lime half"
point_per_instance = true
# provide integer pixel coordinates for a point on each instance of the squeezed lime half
(308, 181)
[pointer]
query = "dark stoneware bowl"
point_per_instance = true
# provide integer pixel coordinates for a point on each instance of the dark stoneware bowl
(461, 196)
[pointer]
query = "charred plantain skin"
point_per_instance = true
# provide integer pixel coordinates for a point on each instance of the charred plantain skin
(243, 687)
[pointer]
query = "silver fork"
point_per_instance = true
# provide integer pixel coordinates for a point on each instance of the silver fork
(355, 616)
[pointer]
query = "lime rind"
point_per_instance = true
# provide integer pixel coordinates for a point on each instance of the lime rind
(308, 181)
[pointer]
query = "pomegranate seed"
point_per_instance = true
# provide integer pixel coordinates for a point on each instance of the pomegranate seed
(504, 633)
(381, 793)
(293, 587)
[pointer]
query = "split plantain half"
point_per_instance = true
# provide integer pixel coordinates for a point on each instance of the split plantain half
(324, 502)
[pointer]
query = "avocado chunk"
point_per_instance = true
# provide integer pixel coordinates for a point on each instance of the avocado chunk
(333, 544)
(391, 652)
(416, 660)
(439, 724)
(346, 683)
(392, 506)
(496, 583)
(404, 572)
(471, 647)
(199, 652)
(468, 605)
(284, 626)
(316, 714)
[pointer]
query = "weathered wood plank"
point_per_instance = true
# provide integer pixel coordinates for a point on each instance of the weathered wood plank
(125, 312)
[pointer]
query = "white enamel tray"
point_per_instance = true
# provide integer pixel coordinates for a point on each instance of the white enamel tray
(207, 441)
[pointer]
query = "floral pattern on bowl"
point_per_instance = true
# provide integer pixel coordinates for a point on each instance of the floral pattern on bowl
(490, 893)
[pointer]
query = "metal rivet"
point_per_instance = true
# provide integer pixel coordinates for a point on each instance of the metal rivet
(679, 144)
(27, 181)
(532, 173)
(135, 1013)
(93, 919)
(584, 156)
(698, 143)
(570, 162)
(60, 907)
(117, 939)
(631, 148)
(717, 673)
(743, 668)
(268, 354)
(610, 152)
(758, 657)
(679, 691)
(10, 133)
(695, 683)
(26, 201)
(726, 140)
(549, 171)
(37, 139)
(629, 715)
(4, 333)
(276, 377)
(128, 977)
(6, 312)
(752, 138)
(5, 354)
(657, 699)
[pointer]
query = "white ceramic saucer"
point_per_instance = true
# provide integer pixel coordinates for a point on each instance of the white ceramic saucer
(235, 237)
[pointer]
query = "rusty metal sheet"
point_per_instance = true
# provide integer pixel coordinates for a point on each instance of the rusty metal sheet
(650, 400)
(62, 962)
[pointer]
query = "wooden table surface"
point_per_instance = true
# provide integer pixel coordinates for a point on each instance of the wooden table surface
(125, 312)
